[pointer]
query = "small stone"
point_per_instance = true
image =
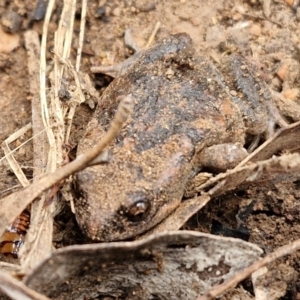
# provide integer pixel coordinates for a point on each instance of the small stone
(169, 73)
(101, 12)
(276, 84)
(289, 2)
(255, 30)
(215, 35)
(282, 71)
(11, 22)
(8, 42)
(237, 16)
(291, 94)
(116, 12)
(195, 21)
(298, 14)
(146, 7)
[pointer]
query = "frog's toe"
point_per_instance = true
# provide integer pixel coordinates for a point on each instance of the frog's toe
(283, 107)
(117, 70)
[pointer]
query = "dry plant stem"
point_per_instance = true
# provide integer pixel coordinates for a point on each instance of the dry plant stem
(81, 34)
(28, 126)
(62, 49)
(39, 238)
(62, 46)
(280, 252)
(19, 200)
(10, 158)
(18, 290)
(69, 16)
(37, 245)
(40, 146)
(51, 164)
(153, 34)
(266, 8)
(78, 97)
(9, 268)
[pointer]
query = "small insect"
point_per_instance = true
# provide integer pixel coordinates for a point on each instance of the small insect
(13, 238)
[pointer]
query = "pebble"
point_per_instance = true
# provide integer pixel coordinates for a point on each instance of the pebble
(291, 94)
(282, 71)
(255, 30)
(11, 22)
(116, 12)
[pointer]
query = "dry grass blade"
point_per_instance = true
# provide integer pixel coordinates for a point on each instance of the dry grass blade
(151, 38)
(22, 144)
(239, 276)
(18, 290)
(40, 146)
(81, 34)
(51, 164)
(62, 49)
(9, 268)
(39, 238)
(63, 62)
(34, 240)
(10, 158)
(47, 114)
(78, 96)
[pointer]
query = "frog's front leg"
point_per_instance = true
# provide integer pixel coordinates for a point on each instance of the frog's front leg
(122, 67)
(170, 47)
(219, 158)
(214, 159)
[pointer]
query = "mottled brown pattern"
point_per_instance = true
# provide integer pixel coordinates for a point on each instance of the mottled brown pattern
(183, 105)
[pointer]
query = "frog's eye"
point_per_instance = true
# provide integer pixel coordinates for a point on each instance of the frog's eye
(139, 210)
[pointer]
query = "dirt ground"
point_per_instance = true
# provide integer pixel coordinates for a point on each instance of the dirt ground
(265, 32)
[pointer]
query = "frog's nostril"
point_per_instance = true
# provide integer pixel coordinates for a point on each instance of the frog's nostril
(139, 210)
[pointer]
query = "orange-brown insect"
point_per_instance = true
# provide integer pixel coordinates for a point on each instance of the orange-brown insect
(13, 238)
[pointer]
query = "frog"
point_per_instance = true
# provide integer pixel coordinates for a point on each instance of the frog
(185, 104)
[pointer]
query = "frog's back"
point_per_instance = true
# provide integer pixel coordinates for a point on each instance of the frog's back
(174, 94)
(181, 107)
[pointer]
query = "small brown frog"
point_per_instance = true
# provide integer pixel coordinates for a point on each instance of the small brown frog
(183, 105)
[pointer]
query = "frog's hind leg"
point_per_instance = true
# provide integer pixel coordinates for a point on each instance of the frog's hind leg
(257, 103)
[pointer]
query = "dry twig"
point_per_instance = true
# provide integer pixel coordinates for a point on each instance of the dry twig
(21, 199)
(10, 158)
(18, 290)
(239, 276)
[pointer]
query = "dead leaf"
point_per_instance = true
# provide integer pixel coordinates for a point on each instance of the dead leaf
(175, 265)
